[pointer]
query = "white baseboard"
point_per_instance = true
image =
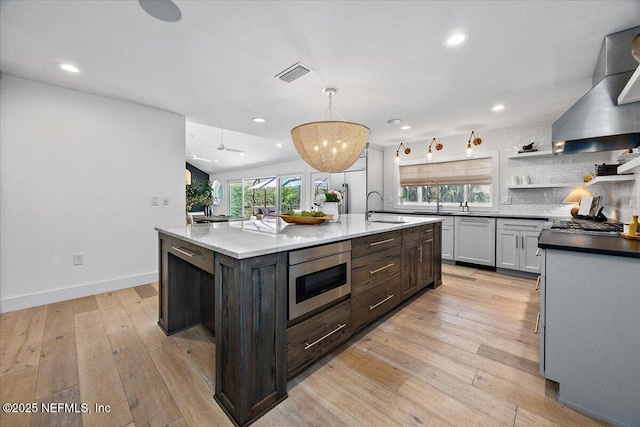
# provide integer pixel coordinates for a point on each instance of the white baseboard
(57, 295)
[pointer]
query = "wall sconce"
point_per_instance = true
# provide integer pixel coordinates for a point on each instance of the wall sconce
(407, 151)
(475, 140)
(438, 147)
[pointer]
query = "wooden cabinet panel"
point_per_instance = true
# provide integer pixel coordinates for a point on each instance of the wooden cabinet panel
(425, 259)
(410, 268)
(309, 340)
(418, 257)
(368, 271)
(437, 254)
(411, 234)
(185, 283)
(365, 245)
(251, 322)
(375, 302)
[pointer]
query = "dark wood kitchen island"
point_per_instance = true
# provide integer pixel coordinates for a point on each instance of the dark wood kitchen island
(232, 277)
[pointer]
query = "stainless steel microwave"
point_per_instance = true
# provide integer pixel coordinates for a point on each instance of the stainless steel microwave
(318, 276)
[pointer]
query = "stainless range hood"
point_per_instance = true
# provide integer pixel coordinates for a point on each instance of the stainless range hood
(596, 122)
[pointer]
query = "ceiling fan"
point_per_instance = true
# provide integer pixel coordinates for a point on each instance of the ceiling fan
(222, 147)
(193, 155)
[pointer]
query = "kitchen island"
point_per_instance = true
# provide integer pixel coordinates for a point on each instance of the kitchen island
(233, 278)
(589, 320)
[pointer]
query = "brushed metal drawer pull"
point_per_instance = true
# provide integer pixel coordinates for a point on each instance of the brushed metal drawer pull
(537, 329)
(185, 252)
(308, 346)
(481, 221)
(382, 241)
(538, 252)
(538, 282)
(381, 268)
(371, 307)
(420, 257)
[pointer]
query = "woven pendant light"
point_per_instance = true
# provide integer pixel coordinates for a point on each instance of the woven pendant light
(330, 146)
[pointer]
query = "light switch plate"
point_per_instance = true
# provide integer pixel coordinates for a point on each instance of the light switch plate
(78, 259)
(165, 200)
(154, 200)
(506, 200)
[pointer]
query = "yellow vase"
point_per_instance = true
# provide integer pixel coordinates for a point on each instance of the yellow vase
(633, 226)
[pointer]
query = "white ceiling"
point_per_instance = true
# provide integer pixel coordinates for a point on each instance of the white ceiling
(216, 66)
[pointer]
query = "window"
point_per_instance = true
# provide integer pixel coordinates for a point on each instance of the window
(263, 195)
(290, 193)
(466, 181)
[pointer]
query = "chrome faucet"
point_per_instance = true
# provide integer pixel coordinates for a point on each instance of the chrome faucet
(437, 194)
(366, 208)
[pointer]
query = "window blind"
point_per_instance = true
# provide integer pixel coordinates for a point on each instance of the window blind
(459, 172)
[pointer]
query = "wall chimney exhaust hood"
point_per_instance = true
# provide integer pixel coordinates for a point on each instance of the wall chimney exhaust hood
(597, 122)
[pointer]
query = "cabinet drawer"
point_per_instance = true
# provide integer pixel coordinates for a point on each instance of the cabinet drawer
(374, 243)
(368, 271)
(411, 234)
(309, 340)
(200, 257)
(520, 225)
(375, 302)
(426, 232)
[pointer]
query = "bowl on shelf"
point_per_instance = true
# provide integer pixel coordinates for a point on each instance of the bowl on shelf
(307, 220)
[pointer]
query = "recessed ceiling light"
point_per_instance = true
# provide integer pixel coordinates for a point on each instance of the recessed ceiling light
(498, 107)
(394, 121)
(456, 39)
(279, 145)
(216, 160)
(259, 120)
(405, 127)
(70, 68)
(242, 154)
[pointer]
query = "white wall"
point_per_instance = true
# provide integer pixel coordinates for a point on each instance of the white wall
(559, 169)
(77, 175)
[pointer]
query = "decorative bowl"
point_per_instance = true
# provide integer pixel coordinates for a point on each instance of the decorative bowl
(307, 220)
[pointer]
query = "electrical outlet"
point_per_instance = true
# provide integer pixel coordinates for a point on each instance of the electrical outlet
(154, 200)
(78, 259)
(506, 200)
(165, 200)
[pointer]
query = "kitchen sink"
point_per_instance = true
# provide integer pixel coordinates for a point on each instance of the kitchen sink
(387, 221)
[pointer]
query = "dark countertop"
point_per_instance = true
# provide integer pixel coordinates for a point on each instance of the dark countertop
(479, 214)
(595, 244)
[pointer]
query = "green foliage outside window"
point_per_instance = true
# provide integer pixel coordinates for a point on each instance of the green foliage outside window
(449, 194)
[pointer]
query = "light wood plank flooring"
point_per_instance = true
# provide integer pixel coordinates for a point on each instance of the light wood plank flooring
(464, 354)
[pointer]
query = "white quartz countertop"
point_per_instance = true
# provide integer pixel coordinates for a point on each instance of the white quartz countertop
(245, 239)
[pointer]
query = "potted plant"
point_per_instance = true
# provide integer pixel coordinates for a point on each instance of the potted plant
(329, 201)
(205, 196)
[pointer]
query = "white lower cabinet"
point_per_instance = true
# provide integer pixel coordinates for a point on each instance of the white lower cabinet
(590, 341)
(447, 238)
(475, 240)
(517, 243)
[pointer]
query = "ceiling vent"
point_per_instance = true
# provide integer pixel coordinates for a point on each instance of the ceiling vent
(293, 72)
